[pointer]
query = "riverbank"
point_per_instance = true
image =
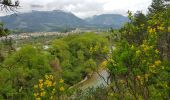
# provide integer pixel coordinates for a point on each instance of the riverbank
(93, 81)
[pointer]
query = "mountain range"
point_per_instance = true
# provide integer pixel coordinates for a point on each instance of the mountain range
(58, 20)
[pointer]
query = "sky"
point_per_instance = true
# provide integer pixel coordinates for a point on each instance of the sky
(84, 8)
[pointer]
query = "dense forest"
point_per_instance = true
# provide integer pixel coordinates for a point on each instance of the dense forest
(136, 58)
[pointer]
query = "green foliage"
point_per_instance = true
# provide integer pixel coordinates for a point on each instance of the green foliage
(138, 66)
(5, 85)
(79, 54)
(24, 67)
(133, 69)
(27, 56)
(99, 93)
(157, 6)
(3, 31)
(138, 63)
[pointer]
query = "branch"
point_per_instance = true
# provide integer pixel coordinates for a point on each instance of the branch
(7, 5)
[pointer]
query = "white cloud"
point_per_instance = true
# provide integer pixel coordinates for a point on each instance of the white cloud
(85, 8)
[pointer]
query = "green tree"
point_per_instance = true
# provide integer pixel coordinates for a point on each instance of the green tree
(157, 6)
(24, 67)
(76, 53)
(3, 31)
(134, 31)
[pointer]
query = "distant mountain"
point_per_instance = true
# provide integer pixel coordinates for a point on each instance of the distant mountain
(108, 20)
(43, 21)
(58, 20)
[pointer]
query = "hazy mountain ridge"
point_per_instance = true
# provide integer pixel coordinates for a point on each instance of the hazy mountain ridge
(58, 20)
(108, 20)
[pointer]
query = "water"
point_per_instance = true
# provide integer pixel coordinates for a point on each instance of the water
(94, 81)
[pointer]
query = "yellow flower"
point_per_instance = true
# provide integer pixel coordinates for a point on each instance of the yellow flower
(160, 28)
(42, 94)
(158, 62)
(62, 88)
(61, 81)
(146, 48)
(35, 94)
(48, 83)
(38, 98)
(51, 77)
(46, 77)
(152, 30)
(41, 85)
(40, 80)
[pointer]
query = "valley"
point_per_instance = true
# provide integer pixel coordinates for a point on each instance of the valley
(84, 50)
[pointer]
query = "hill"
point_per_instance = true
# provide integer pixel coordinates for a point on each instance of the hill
(58, 20)
(107, 20)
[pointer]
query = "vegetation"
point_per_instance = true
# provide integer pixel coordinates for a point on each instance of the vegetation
(79, 55)
(72, 57)
(136, 57)
(139, 65)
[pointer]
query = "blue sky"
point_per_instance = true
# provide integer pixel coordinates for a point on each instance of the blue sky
(85, 8)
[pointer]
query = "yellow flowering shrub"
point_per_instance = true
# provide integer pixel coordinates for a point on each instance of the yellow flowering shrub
(48, 88)
(151, 30)
(136, 60)
(61, 81)
(61, 88)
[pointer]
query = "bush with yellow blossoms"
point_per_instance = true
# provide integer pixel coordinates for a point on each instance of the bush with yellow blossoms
(48, 88)
(136, 70)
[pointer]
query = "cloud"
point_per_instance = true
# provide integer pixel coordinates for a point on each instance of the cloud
(85, 8)
(36, 6)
